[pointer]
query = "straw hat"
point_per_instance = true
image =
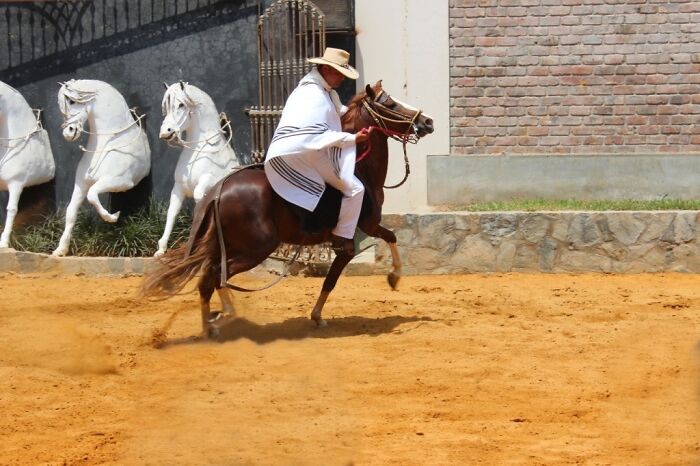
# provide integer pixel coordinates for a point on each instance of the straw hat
(338, 59)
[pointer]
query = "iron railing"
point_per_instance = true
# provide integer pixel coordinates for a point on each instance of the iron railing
(289, 32)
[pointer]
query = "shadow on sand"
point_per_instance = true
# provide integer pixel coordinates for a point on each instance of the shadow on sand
(298, 328)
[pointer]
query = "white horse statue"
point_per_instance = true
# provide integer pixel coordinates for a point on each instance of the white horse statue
(207, 155)
(25, 152)
(117, 155)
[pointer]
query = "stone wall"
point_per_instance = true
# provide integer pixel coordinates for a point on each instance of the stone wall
(625, 242)
(450, 243)
(574, 76)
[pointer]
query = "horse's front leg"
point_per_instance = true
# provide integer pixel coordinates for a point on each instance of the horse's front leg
(378, 231)
(177, 196)
(15, 190)
(339, 263)
(71, 216)
(107, 185)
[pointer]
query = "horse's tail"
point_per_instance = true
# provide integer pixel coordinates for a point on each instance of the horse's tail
(178, 266)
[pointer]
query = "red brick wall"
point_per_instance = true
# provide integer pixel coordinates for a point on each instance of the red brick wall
(574, 76)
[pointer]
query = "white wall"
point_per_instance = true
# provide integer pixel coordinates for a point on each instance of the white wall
(405, 43)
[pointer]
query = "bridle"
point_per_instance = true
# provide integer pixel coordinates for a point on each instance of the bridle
(382, 115)
(197, 146)
(72, 118)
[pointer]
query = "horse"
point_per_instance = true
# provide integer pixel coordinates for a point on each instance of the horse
(26, 158)
(117, 156)
(242, 220)
(205, 158)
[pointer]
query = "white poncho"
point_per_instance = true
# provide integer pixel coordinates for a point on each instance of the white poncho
(309, 126)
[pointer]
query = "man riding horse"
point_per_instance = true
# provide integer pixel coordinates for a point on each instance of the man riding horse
(309, 148)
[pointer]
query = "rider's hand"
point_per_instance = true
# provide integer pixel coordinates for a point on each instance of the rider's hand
(362, 135)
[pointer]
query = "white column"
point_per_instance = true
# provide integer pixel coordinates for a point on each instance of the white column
(405, 43)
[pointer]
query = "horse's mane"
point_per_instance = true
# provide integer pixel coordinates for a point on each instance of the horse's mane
(349, 120)
(176, 90)
(69, 90)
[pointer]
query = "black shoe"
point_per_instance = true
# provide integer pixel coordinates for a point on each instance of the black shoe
(342, 245)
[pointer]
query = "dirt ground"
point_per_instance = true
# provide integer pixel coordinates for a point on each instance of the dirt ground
(473, 369)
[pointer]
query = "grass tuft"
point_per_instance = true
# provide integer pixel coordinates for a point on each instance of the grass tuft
(133, 236)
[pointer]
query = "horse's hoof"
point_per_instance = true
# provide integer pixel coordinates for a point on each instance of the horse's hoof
(320, 323)
(393, 280)
(111, 218)
(159, 253)
(212, 332)
(59, 252)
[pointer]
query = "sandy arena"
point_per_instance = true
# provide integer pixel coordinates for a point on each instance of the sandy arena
(450, 370)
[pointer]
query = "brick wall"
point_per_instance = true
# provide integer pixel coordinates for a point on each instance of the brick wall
(574, 76)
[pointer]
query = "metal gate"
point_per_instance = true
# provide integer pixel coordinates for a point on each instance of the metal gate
(289, 32)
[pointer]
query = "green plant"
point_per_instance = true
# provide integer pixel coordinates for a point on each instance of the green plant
(132, 236)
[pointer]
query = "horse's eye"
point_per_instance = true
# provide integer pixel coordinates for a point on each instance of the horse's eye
(181, 105)
(71, 101)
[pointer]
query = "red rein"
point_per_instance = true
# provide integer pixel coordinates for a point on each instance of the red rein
(401, 137)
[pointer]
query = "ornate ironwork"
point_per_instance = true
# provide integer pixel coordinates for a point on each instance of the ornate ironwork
(289, 32)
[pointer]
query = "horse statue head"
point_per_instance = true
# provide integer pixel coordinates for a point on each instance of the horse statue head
(75, 105)
(187, 109)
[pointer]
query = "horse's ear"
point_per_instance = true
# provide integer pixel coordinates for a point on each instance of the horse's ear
(166, 85)
(379, 84)
(369, 91)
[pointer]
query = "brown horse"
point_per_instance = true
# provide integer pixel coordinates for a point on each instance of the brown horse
(254, 220)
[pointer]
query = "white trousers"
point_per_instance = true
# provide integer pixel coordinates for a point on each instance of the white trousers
(337, 168)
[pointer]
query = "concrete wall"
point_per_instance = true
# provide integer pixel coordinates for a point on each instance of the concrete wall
(213, 47)
(457, 181)
(405, 44)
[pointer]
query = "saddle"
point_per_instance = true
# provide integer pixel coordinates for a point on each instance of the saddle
(327, 211)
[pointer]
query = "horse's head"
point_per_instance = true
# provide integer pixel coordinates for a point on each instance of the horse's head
(177, 106)
(75, 105)
(386, 112)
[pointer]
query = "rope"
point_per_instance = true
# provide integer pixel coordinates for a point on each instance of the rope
(138, 119)
(179, 142)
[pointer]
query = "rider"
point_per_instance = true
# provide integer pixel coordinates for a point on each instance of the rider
(309, 147)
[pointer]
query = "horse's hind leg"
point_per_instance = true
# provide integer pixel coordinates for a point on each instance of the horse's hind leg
(339, 263)
(177, 196)
(378, 231)
(207, 284)
(71, 216)
(210, 282)
(226, 301)
(15, 190)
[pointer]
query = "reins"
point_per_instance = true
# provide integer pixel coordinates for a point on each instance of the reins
(408, 136)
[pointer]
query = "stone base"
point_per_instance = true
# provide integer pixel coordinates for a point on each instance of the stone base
(624, 242)
(466, 242)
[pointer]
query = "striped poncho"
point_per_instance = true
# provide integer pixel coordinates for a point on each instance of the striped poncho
(310, 126)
